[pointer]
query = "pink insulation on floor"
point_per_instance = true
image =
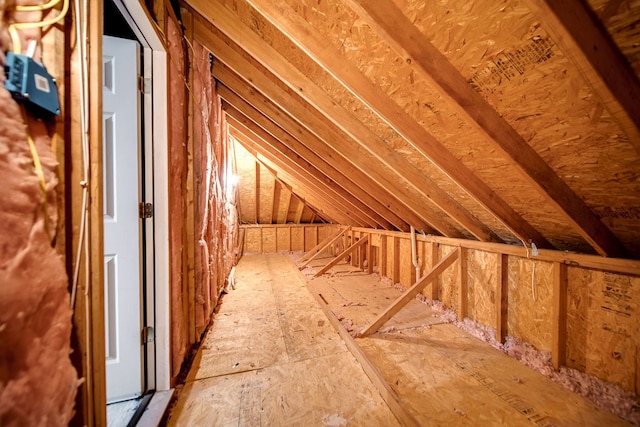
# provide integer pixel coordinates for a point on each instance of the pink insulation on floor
(38, 383)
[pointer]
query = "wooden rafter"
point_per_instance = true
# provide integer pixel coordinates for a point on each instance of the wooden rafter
(314, 45)
(333, 146)
(218, 16)
(395, 28)
(584, 40)
(410, 293)
(288, 159)
(286, 144)
(341, 208)
(364, 239)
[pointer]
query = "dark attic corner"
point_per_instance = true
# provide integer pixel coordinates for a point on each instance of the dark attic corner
(284, 212)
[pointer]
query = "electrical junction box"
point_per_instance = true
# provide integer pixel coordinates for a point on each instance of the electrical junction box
(28, 80)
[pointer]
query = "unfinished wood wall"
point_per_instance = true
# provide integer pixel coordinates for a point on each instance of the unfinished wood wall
(581, 309)
(284, 238)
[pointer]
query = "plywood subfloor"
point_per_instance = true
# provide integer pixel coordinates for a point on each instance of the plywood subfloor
(445, 376)
(271, 357)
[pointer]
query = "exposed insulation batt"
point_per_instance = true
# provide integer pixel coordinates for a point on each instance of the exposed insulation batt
(37, 380)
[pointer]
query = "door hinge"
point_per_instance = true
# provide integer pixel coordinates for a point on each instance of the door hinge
(144, 85)
(148, 334)
(145, 210)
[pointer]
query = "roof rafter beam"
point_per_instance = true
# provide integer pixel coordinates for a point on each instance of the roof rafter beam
(267, 145)
(260, 113)
(262, 127)
(301, 193)
(314, 45)
(224, 20)
(305, 191)
(586, 42)
(395, 28)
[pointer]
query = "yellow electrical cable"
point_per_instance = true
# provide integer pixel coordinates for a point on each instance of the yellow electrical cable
(15, 40)
(40, 24)
(37, 167)
(35, 8)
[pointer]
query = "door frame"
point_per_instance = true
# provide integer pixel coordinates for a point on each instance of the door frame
(156, 238)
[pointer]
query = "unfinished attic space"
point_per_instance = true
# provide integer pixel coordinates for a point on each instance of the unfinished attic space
(320, 212)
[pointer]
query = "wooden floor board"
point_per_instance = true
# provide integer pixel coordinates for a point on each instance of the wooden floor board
(278, 361)
(272, 357)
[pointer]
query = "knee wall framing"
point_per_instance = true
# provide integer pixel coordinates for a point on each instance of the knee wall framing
(582, 309)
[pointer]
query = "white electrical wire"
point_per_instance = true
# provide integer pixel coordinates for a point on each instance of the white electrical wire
(81, 31)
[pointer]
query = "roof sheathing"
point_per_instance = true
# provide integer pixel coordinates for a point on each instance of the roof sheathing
(542, 96)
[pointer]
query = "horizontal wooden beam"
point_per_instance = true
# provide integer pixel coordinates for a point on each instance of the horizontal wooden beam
(410, 293)
(340, 256)
(571, 259)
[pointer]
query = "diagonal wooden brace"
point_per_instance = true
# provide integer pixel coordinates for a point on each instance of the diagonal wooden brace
(317, 250)
(410, 293)
(340, 256)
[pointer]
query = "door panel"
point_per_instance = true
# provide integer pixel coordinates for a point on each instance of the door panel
(122, 238)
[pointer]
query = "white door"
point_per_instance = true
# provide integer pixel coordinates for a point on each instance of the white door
(124, 355)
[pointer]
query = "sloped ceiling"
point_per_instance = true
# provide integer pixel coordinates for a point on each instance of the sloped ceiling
(509, 121)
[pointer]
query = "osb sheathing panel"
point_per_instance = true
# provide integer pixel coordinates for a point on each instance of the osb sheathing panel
(297, 239)
(253, 240)
(506, 54)
(246, 171)
(620, 18)
(448, 287)
(287, 237)
(283, 238)
(407, 271)
(481, 286)
(603, 325)
(530, 301)
(310, 236)
(314, 73)
(267, 186)
(269, 239)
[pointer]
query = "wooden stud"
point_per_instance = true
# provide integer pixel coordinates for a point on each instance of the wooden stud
(559, 320)
(342, 255)
(435, 256)
(382, 263)
(410, 293)
(257, 193)
(462, 292)
(596, 262)
(395, 257)
(502, 285)
(369, 256)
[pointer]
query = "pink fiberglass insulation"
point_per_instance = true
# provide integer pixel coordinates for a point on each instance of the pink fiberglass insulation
(177, 174)
(38, 383)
